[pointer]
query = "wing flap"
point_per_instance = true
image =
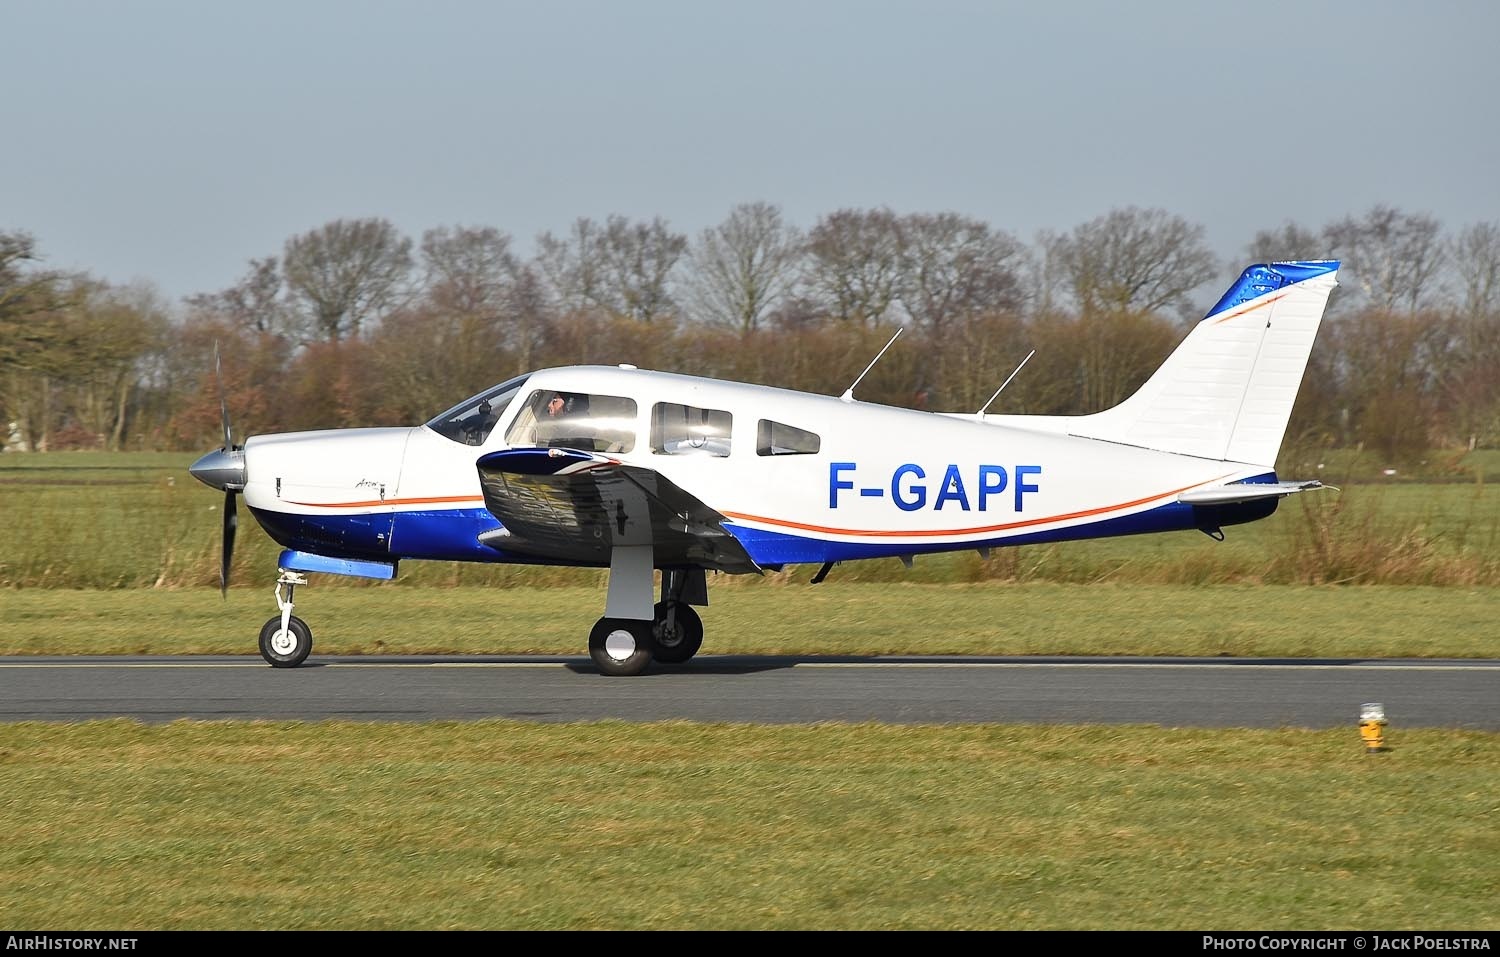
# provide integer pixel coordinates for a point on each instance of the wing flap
(575, 506)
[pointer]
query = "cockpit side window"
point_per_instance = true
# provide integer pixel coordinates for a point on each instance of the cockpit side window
(588, 422)
(471, 421)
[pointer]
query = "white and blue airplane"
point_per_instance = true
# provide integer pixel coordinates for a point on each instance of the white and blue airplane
(639, 471)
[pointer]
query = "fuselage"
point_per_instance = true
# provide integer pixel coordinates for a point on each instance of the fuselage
(798, 477)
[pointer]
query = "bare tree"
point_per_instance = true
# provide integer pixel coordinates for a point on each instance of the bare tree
(640, 258)
(452, 339)
(1043, 281)
(744, 268)
(35, 341)
(855, 262)
(25, 292)
(1133, 260)
(530, 316)
(1476, 258)
(253, 304)
(347, 273)
(953, 267)
(1391, 366)
(468, 269)
(113, 330)
(1471, 370)
(1391, 256)
(573, 268)
(1288, 243)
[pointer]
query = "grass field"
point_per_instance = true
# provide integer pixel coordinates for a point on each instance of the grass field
(512, 825)
(492, 824)
(834, 618)
(90, 520)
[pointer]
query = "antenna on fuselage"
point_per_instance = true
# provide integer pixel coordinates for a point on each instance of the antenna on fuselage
(848, 395)
(980, 414)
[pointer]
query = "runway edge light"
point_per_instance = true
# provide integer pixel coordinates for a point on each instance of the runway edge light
(1372, 726)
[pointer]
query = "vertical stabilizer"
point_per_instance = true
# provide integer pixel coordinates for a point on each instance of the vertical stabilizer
(1227, 391)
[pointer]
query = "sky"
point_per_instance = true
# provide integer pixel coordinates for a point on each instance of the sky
(175, 141)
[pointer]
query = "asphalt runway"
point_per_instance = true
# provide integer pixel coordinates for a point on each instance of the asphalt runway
(1173, 692)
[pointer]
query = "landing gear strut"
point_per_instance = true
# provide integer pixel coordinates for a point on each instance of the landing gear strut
(285, 640)
(624, 642)
(676, 629)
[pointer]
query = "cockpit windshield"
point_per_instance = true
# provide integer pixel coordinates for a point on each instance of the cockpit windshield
(471, 421)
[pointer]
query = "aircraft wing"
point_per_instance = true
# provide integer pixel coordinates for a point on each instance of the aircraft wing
(575, 506)
(1244, 492)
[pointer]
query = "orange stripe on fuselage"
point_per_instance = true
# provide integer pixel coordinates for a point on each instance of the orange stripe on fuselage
(827, 530)
(1248, 308)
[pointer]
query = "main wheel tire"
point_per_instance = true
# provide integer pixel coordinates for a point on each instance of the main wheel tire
(680, 642)
(620, 646)
(285, 649)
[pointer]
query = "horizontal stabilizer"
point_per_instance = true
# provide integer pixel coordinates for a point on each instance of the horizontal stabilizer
(1244, 492)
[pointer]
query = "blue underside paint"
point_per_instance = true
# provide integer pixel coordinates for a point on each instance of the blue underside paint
(342, 536)
(1259, 280)
(445, 535)
(438, 535)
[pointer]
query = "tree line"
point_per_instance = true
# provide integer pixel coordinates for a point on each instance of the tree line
(354, 323)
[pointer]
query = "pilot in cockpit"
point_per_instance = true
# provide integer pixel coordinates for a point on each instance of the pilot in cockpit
(565, 424)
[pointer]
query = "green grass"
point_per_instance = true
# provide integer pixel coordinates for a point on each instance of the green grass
(511, 825)
(493, 824)
(136, 520)
(834, 618)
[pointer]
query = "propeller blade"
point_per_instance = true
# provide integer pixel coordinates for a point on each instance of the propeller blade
(223, 403)
(231, 522)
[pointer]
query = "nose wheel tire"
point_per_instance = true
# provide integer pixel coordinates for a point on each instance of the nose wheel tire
(620, 646)
(680, 641)
(285, 649)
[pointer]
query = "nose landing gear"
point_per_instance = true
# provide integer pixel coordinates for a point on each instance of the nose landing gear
(285, 640)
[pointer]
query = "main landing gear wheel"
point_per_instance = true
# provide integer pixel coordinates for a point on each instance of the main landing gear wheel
(285, 649)
(620, 646)
(678, 635)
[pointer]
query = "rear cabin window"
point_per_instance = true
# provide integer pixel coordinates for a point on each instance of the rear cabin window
(776, 438)
(687, 430)
(575, 420)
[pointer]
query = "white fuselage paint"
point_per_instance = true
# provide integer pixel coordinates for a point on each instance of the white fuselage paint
(881, 475)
